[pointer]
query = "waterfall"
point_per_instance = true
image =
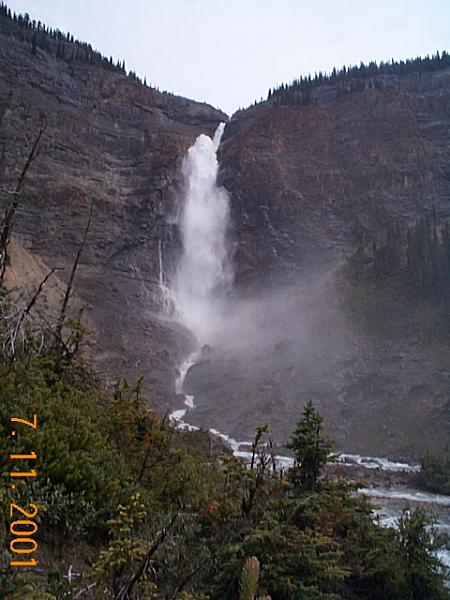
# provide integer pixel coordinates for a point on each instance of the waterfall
(166, 298)
(203, 274)
(197, 290)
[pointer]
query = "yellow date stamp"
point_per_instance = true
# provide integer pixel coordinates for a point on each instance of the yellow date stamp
(23, 524)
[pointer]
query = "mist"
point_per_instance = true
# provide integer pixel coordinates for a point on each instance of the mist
(201, 287)
(258, 349)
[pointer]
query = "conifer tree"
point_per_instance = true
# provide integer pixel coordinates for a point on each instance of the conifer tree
(423, 573)
(312, 449)
(34, 44)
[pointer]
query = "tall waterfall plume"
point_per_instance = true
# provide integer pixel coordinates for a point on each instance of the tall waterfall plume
(204, 273)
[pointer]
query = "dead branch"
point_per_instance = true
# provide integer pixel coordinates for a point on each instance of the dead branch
(146, 457)
(10, 213)
(272, 455)
(11, 337)
(33, 300)
(69, 288)
(82, 591)
(180, 587)
(125, 592)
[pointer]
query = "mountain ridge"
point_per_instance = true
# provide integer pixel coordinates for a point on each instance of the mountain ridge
(111, 140)
(308, 182)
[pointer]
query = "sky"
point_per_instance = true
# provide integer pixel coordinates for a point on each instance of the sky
(230, 52)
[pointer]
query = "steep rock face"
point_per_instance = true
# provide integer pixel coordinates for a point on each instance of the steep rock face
(117, 143)
(308, 182)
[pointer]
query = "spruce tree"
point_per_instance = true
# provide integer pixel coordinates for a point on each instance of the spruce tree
(312, 449)
(34, 44)
(423, 571)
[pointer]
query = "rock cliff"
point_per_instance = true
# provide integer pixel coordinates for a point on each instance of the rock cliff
(308, 181)
(118, 143)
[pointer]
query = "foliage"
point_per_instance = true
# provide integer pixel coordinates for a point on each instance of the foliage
(72, 453)
(354, 78)
(165, 518)
(249, 580)
(435, 474)
(62, 46)
(125, 552)
(422, 570)
(311, 448)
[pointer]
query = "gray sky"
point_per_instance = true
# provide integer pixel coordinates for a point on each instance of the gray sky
(230, 52)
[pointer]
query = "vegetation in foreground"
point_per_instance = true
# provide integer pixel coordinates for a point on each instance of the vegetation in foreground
(132, 508)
